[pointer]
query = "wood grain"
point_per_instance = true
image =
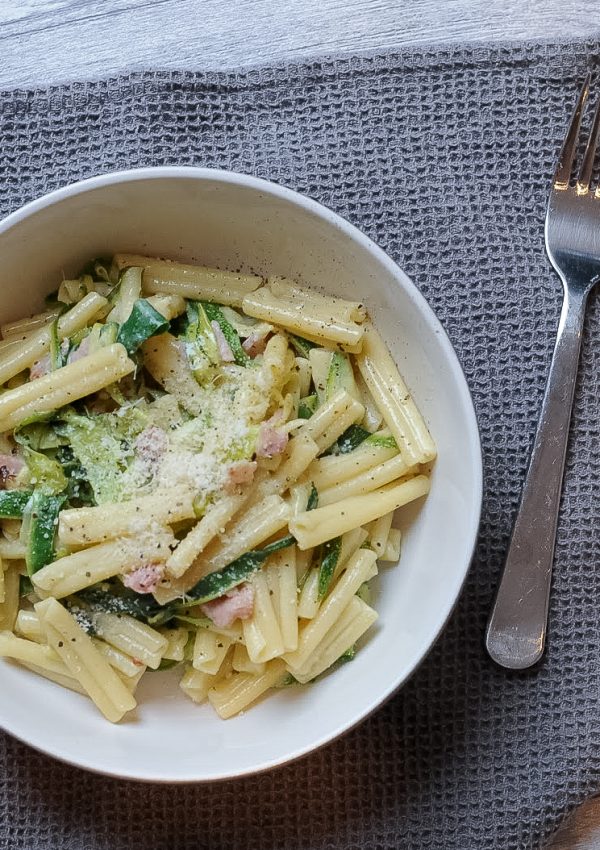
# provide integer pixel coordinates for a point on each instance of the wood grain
(581, 831)
(51, 41)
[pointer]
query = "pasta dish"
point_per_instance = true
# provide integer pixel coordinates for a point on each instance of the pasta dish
(198, 468)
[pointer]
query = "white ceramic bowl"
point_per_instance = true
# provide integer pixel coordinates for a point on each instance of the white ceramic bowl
(230, 220)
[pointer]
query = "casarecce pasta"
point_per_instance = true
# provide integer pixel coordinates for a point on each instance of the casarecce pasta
(198, 469)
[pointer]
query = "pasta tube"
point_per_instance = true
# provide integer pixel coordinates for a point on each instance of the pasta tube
(327, 472)
(392, 548)
(121, 662)
(14, 360)
(281, 581)
(394, 399)
(83, 660)
(332, 419)
(212, 523)
(165, 359)
(262, 634)
(260, 522)
(132, 637)
(313, 527)
(74, 381)
(242, 664)
(351, 541)
(30, 652)
(379, 531)
(10, 606)
(308, 604)
(82, 569)
(62, 679)
(176, 642)
(230, 696)
(197, 282)
(195, 684)
(354, 621)
(210, 650)
(358, 570)
(12, 550)
(24, 327)
(315, 302)
(28, 626)
(366, 482)
(264, 304)
(82, 526)
(169, 306)
(300, 453)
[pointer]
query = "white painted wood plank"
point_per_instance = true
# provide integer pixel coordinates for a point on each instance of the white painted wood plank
(51, 41)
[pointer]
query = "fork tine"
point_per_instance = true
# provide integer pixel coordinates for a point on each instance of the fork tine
(587, 166)
(562, 174)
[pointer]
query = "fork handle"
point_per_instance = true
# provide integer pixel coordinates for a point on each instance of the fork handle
(516, 630)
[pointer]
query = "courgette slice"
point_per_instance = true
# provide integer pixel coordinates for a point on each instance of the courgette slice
(200, 344)
(301, 346)
(351, 439)
(43, 509)
(330, 555)
(341, 376)
(217, 584)
(313, 498)
(307, 406)
(215, 314)
(13, 503)
(56, 355)
(383, 442)
(143, 322)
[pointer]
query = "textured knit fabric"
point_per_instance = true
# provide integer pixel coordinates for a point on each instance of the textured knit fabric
(443, 157)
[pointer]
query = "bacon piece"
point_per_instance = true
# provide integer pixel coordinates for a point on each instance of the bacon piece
(151, 445)
(255, 344)
(241, 472)
(10, 466)
(144, 579)
(235, 604)
(225, 351)
(271, 441)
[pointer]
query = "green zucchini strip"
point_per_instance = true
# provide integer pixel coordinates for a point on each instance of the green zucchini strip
(143, 322)
(43, 509)
(13, 502)
(330, 555)
(215, 314)
(216, 584)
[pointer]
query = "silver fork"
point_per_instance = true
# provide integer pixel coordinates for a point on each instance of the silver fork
(516, 630)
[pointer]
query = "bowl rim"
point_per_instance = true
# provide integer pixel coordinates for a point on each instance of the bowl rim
(334, 219)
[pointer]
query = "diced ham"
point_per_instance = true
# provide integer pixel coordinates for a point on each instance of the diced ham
(255, 344)
(225, 351)
(82, 350)
(271, 441)
(151, 445)
(241, 472)
(235, 604)
(39, 368)
(144, 579)
(10, 466)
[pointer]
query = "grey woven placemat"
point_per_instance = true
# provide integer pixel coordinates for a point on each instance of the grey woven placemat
(443, 157)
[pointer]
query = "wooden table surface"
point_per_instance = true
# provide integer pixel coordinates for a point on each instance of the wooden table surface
(51, 41)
